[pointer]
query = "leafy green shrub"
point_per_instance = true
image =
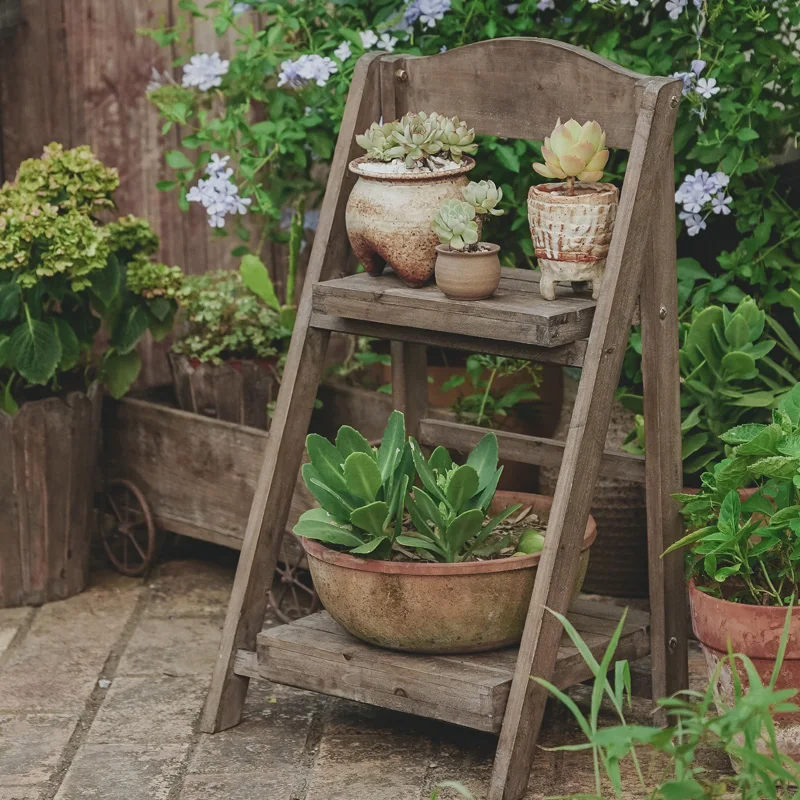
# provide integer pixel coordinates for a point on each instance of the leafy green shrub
(63, 273)
(747, 551)
(744, 731)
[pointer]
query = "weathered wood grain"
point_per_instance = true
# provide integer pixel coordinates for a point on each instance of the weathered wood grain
(470, 690)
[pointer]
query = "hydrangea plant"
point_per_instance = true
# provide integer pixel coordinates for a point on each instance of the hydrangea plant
(64, 272)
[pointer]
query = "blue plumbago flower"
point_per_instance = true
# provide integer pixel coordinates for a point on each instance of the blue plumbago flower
(689, 78)
(428, 12)
(205, 71)
(343, 51)
(240, 8)
(512, 8)
(217, 193)
(699, 193)
(411, 14)
(545, 5)
(387, 42)
(368, 39)
(675, 8)
(706, 87)
(306, 69)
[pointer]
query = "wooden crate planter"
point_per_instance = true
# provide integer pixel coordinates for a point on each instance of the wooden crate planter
(235, 391)
(47, 480)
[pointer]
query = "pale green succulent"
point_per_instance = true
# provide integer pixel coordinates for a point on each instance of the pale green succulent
(377, 140)
(416, 141)
(574, 151)
(455, 224)
(456, 138)
(484, 197)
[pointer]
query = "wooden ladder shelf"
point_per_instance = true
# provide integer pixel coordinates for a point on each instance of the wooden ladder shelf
(513, 88)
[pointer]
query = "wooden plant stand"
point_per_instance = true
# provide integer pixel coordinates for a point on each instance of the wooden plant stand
(514, 88)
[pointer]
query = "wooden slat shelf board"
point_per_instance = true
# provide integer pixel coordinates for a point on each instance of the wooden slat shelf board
(516, 312)
(524, 448)
(470, 690)
(568, 355)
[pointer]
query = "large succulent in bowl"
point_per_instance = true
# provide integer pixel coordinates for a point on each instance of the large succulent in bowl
(377, 140)
(574, 151)
(455, 224)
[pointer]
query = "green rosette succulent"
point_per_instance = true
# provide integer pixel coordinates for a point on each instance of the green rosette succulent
(455, 224)
(483, 196)
(574, 151)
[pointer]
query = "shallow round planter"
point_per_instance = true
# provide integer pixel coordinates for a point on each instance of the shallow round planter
(571, 235)
(47, 483)
(431, 607)
(388, 218)
(754, 631)
(463, 275)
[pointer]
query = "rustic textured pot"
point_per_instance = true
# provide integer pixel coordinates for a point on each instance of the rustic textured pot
(754, 631)
(463, 275)
(431, 607)
(47, 483)
(238, 390)
(571, 235)
(389, 218)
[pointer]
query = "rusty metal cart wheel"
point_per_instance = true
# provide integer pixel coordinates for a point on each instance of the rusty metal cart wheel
(128, 531)
(293, 595)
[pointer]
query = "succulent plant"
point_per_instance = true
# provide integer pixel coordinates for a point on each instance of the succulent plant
(377, 140)
(415, 141)
(574, 151)
(484, 197)
(455, 224)
(449, 511)
(361, 489)
(456, 138)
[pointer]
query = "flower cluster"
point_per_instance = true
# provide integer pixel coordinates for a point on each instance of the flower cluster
(239, 8)
(205, 71)
(218, 193)
(151, 280)
(130, 234)
(692, 82)
(675, 7)
(702, 192)
(427, 12)
(306, 69)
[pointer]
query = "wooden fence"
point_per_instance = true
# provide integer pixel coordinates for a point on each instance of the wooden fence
(76, 72)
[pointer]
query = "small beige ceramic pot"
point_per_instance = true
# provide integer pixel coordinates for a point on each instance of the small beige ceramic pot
(462, 275)
(571, 235)
(388, 218)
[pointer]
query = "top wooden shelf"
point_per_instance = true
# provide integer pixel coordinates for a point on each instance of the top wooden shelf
(516, 312)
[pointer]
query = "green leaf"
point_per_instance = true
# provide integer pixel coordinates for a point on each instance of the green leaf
(70, 346)
(790, 446)
(5, 350)
(760, 399)
(9, 301)
(507, 157)
(106, 282)
(391, 448)
(429, 510)
(349, 440)
(326, 532)
(747, 135)
(461, 486)
(36, 350)
(440, 460)
(739, 365)
(371, 518)
(778, 467)
(119, 371)
(327, 461)
(160, 308)
(737, 332)
(425, 472)
(742, 433)
(463, 528)
(362, 476)
(763, 443)
(729, 513)
(256, 278)
(483, 459)
(129, 330)
(370, 546)
(691, 444)
(178, 160)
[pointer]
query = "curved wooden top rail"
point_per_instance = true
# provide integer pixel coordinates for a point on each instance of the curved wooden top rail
(517, 87)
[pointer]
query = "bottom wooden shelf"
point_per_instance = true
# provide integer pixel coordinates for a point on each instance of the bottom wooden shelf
(316, 653)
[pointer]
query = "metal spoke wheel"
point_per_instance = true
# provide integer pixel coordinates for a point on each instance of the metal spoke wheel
(293, 597)
(129, 534)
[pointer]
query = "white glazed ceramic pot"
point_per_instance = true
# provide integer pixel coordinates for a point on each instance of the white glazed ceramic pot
(571, 235)
(462, 275)
(389, 216)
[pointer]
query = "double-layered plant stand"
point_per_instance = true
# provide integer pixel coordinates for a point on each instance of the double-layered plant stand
(513, 88)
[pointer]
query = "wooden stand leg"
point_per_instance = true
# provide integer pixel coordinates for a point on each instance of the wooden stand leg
(662, 419)
(410, 383)
(265, 526)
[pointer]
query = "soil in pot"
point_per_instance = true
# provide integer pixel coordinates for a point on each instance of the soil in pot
(468, 275)
(389, 214)
(430, 607)
(754, 631)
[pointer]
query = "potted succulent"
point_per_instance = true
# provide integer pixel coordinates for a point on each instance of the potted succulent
(572, 223)
(743, 559)
(422, 568)
(412, 165)
(466, 268)
(64, 273)
(227, 360)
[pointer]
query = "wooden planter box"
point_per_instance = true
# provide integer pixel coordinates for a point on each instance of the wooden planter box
(47, 480)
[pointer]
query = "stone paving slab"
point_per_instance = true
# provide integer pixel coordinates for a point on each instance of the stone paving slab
(32, 746)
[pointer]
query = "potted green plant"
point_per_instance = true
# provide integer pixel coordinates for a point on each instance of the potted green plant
(466, 268)
(446, 565)
(572, 223)
(743, 557)
(64, 274)
(412, 165)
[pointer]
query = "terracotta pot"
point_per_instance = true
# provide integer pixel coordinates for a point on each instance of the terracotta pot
(431, 607)
(468, 276)
(389, 217)
(47, 485)
(754, 631)
(571, 235)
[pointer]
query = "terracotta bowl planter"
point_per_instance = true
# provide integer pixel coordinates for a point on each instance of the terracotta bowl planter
(434, 608)
(468, 276)
(389, 217)
(754, 631)
(571, 235)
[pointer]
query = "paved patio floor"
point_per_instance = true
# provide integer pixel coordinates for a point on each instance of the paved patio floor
(100, 697)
